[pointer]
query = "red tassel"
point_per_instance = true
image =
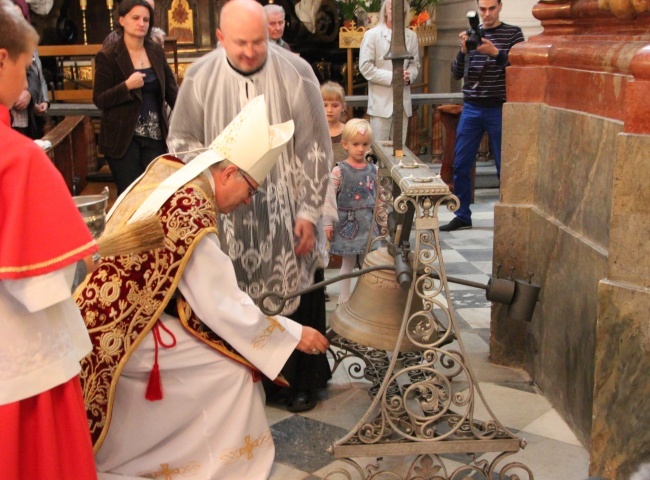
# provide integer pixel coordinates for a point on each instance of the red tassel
(154, 387)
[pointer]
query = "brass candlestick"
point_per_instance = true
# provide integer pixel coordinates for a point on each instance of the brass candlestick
(84, 4)
(109, 5)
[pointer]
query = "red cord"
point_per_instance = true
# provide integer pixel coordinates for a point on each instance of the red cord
(154, 387)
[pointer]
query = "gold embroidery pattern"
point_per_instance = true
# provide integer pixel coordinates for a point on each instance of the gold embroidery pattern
(247, 450)
(265, 335)
(201, 331)
(125, 296)
(167, 472)
(60, 258)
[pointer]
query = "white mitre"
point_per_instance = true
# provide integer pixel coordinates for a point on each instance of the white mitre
(248, 142)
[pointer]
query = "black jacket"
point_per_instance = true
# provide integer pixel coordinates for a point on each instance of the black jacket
(121, 107)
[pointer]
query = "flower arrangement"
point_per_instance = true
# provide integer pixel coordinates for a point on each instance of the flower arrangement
(420, 19)
(420, 6)
(348, 8)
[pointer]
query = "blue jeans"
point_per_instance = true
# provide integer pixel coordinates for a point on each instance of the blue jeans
(474, 121)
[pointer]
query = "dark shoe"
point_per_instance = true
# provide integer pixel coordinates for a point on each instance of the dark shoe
(301, 401)
(456, 224)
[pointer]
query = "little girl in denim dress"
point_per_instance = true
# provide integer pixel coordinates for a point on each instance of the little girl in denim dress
(352, 191)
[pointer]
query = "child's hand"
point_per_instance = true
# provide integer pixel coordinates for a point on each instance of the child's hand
(40, 107)
(23, 100)
(329, 231)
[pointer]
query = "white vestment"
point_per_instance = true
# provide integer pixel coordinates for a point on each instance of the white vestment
(210, 424)
(259, 237)
(43, 335)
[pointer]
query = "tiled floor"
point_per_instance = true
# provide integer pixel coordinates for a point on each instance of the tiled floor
(553, 452)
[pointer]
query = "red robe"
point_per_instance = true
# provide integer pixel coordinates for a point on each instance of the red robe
(41, 229)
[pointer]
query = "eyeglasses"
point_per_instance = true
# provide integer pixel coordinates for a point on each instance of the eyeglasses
(251, 189)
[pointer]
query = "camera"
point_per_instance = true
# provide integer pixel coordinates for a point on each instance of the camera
(474, 33)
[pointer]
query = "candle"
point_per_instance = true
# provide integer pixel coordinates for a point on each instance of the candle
(83, 4)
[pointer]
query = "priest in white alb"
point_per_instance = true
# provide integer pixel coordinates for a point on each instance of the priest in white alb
(172, 385)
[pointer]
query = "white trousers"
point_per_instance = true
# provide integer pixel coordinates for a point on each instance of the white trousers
(382, 128)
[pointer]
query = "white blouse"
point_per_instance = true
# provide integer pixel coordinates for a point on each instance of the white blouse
(43, 336)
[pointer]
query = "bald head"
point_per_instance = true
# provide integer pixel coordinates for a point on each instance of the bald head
(236, 10)
(245, 42)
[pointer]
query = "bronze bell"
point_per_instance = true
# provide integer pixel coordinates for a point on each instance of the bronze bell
(373, 315)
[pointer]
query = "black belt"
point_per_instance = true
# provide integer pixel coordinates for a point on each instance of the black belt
(171, 308)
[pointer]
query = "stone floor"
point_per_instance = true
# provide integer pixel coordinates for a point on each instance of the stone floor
(552, 453)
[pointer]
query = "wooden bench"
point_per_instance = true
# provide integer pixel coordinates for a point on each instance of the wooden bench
(74, 52)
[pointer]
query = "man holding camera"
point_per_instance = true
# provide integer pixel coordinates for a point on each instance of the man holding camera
(481, 60)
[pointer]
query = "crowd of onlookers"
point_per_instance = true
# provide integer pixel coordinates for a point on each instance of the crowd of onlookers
(267, 228)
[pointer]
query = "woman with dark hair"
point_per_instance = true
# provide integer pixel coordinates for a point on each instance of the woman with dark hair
(133, 84)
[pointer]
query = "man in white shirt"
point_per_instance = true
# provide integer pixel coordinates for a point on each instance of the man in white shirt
(379, 73)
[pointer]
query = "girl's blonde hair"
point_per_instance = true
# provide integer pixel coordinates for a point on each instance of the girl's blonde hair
(331, 91)
(355, 126)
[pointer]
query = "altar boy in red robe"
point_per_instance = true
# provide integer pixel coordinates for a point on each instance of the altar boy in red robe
(43, 428)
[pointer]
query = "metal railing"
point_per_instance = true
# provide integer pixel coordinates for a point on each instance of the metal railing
(416, 99)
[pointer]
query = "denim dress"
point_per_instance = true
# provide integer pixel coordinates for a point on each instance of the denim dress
(355, 204)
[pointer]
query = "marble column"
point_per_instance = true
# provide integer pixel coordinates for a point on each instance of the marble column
(575, 209)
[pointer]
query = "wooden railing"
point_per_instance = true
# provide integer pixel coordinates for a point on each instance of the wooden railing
(73, 151)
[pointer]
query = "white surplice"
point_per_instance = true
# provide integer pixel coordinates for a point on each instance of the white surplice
(43, 335)
(260, 237)
(211, 422)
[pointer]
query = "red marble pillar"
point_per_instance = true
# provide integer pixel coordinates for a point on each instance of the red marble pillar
(587, 60)
(576, 209)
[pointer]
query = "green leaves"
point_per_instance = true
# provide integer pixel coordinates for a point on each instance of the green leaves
(348, 8)
(419, 6)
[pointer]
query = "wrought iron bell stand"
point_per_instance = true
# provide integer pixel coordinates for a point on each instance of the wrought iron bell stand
(425, 403)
